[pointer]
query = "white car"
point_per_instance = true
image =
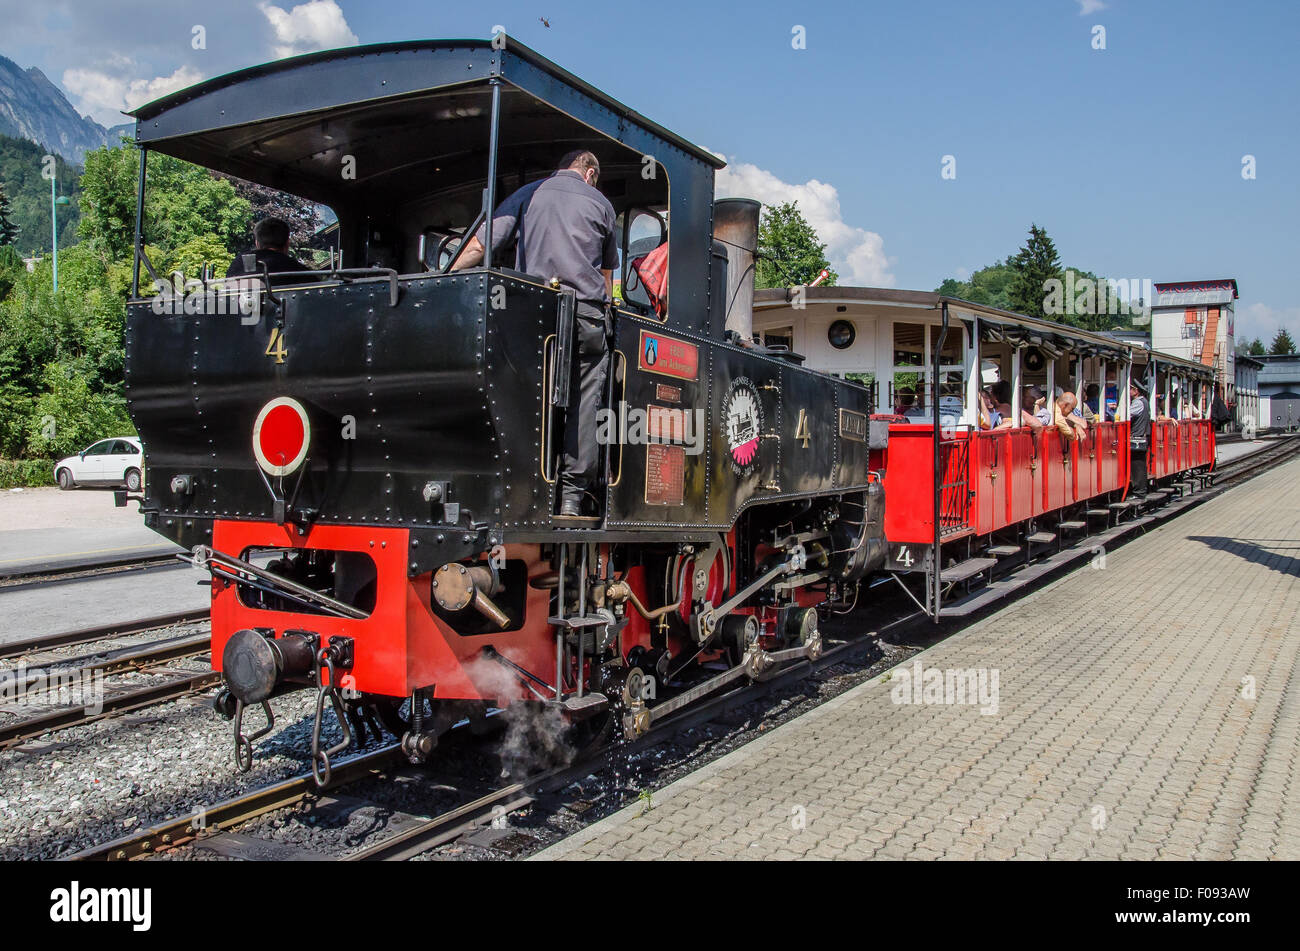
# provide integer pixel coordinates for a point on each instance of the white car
(116, 461)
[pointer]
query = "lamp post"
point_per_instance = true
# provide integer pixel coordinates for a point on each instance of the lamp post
(54, 225)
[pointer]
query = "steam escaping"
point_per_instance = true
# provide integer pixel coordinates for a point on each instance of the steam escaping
(537, 735)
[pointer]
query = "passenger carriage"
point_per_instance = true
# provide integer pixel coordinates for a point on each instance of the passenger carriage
(978, 499)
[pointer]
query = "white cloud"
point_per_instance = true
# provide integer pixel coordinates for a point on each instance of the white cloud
(1090, 6)
(856, 254)
(308, 27)
(106, 90)
(1263, 321)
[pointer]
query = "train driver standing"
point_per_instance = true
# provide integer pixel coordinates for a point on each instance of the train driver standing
(565, 228)
(1139, 432)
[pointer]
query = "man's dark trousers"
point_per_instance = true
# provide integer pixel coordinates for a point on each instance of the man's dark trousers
(581, 463)
(1138, 471)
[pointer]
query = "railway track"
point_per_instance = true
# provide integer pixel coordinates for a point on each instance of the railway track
(32, 576)
(87, 635)
(85, 677)
(426, 833)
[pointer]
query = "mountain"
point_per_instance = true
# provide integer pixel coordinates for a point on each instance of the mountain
(32, 107)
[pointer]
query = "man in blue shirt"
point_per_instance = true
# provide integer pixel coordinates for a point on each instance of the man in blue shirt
(566, 229)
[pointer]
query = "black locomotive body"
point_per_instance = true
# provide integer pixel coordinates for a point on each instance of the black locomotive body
(366, 460)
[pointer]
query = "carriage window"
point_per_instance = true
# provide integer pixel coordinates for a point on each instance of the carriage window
(912, 377)
(909, 345)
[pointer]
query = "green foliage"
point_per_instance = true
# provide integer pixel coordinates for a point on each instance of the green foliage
(190, 257)
(21, 163)
(183, 204)
(1035, 264)
(15, 473)
(1020, 285)
(8, 229)
(1255, 348)
(990, 286)
(789, 250)
(1282, 342)
(78, 331)
(69, 415)
(108, 202)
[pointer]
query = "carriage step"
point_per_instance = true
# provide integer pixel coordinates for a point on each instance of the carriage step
(1041, 538)
(966, 569)
(1121, 506)
(1098, 513)
(1076, 526)
(1002, 551)
(1155, 496)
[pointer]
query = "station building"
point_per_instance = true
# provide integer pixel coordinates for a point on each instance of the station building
(1246, 413)
(1279, 390)
(1195, 320)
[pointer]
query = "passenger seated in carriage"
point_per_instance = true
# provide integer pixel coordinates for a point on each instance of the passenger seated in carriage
(1070, 425)
(1002, 394)
(990, 416)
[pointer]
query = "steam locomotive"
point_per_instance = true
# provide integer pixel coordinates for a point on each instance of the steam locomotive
(365, 460)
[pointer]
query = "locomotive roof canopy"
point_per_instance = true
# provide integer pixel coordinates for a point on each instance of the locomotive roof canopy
(414, 117)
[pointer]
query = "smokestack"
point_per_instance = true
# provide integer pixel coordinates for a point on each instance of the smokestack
(735, 222)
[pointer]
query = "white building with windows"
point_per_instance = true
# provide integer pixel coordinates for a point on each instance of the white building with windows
(1195, 320)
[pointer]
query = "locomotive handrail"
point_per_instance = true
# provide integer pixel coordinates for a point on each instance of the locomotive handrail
(342, 275)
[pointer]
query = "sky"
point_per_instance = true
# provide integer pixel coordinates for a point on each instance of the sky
(1153, 140)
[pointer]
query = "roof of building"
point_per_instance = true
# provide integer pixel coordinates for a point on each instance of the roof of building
(1195, 293)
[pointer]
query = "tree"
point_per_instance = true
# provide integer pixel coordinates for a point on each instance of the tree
(23, 167)
(301, 215)
(1257, 348)
(789, 252)
(1035, 264)
(183, 202)
(8, 229)
(1282, 343)
(990, 286)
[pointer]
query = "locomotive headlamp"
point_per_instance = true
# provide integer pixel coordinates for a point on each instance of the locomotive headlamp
(841, 334)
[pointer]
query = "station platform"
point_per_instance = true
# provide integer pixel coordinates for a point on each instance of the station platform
(1146, 706)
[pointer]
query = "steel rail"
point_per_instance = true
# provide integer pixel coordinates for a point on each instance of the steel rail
(11, 734)
(236, 811)
(32, 575)
(102, 632)
(117, 661)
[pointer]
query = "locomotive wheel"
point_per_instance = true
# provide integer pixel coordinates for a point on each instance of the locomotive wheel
(681, 582)
(389, 710)
(589, 735)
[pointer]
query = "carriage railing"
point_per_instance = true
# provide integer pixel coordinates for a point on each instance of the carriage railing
(954, 490)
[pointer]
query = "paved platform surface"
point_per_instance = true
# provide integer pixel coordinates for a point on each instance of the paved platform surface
(1146, 708)
(47, 528)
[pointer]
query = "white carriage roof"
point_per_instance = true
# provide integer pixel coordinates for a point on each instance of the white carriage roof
(1015, 327)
